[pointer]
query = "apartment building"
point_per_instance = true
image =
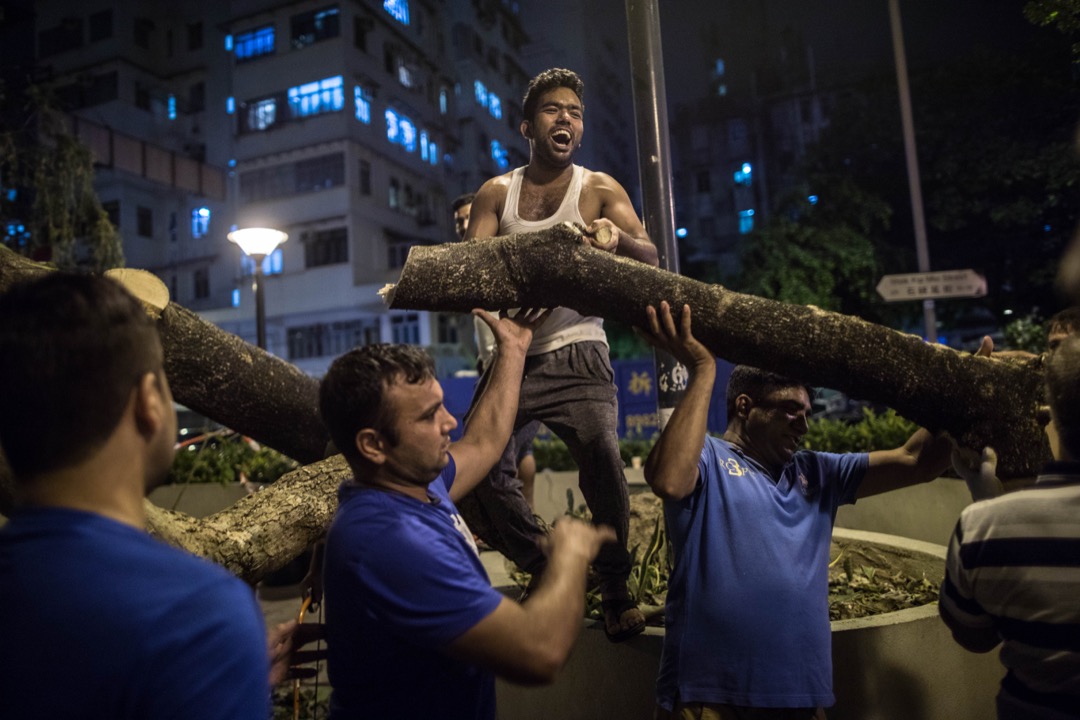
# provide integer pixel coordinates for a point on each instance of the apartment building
(349, 125)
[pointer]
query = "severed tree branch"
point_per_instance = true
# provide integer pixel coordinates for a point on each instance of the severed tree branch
(980, 401)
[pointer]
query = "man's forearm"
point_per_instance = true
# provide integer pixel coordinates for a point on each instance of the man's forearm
(640, 249)
(671, 468)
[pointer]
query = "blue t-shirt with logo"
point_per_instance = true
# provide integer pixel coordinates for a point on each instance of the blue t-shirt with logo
(403, 579)
(747, 604)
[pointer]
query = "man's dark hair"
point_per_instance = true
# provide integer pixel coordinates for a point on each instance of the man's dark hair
(1063, 393)
(547, 80)
(1066, 321)
(352, 392)
(72, 349)
(462, 200)
(757, 384)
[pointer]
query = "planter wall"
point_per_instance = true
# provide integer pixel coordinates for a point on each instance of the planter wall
(896, 666)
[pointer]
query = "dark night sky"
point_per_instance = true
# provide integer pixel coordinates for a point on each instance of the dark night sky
(847, 36)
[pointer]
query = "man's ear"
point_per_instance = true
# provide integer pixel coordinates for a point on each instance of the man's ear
(149, 405)
(743, 403)
(526, 129)
(372, 445)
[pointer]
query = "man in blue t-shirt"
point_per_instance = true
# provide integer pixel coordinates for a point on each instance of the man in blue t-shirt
(750, 516)
(98, 619)
(413, 626)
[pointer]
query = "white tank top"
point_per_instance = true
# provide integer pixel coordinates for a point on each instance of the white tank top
(564, 326)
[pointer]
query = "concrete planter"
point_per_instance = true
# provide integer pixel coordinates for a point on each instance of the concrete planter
(197, 499)
(895, 666)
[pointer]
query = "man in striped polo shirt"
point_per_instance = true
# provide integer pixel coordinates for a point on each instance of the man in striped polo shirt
(1013, 569)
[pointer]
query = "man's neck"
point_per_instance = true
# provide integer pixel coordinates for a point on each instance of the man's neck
(85, 488)
(736, 438)
(539, 172)
(379, 479)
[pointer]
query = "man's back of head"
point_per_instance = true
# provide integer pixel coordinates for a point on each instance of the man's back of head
(1061, 325)
(1063, 394)
(72, 348)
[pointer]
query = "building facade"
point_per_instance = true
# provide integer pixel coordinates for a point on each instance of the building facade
(349, 125)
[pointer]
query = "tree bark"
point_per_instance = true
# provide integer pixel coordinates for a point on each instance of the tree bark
(217, 374)
(980, 401)
(264, 531)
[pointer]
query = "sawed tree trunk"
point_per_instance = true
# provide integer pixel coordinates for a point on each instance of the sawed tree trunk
(980, 401)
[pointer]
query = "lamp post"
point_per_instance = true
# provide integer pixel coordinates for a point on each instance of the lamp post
(257, 243)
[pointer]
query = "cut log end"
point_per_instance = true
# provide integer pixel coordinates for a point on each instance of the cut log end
(145, 286)
(387, 294)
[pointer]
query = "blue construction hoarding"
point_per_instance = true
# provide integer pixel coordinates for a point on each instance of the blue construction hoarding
(636, 383)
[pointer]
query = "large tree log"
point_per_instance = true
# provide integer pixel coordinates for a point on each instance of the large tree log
(219, 375)
(978, 400)
(264, 531)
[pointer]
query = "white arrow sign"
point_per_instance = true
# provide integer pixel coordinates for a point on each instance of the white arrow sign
(932, 285)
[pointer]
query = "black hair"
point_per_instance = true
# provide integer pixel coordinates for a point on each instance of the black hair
(547, 80)
(757, 384)
(351, 395)
(72, 350)
(462, 200)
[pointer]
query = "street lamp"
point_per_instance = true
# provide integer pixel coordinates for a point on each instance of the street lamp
(257, 243)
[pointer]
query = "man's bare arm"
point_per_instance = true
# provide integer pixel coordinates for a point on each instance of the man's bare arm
(529, 643)
(632, 240)
(486, 207)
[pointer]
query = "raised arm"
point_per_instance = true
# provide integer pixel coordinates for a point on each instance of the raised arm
(921, 459)
(672, 466)
(628, 237)
(493, 417)
(529, 643)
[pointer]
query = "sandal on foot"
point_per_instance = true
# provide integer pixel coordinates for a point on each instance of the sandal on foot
(614, 609)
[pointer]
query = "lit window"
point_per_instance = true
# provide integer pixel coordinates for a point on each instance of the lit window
(230, 105)
(481, 93)
(261, 114)
(423, 145)
(408, 134)
(499, 155)
(254, 43)
(200, 222)
(405, 75)
(495, 106)
(400, 130)
(315, 98)
(681, 232)
(433, 154)
(363, 105)
(228, 43)
(171, 105)
(812, 199)
(398, 9)
(236, 297)
(444, 102)
(719, 68)
(746, 221)
(744, 175)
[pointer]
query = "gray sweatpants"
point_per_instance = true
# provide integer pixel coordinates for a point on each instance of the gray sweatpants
(572, 391)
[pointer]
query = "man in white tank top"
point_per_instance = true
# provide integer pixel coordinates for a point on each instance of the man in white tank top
(568, 383)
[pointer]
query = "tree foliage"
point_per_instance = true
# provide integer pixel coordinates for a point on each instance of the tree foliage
(994, 132)
(63, 218)
(1062, 14)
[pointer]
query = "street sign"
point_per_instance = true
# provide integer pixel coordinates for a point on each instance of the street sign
(932, 285)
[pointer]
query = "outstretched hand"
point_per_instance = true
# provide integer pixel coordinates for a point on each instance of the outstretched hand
(514, 331)
(678, 341)
(979, 471)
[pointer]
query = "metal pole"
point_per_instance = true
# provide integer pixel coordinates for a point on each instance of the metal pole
(260, 303)
(921, 251)
(654, 167)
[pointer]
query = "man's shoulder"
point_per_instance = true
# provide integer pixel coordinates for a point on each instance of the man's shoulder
(598, 181)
